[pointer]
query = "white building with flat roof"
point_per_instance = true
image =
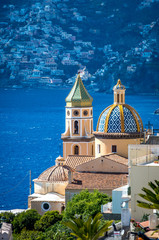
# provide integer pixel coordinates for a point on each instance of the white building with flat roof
(143, 168)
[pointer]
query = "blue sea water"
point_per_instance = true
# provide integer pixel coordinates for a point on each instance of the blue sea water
(31, 123)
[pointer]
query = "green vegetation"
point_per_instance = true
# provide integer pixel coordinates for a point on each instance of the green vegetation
(25, 220)
(58, 232)
(151, 196)
(30, 225)
(7, 216)
(47, 220)
(89, 229)
(86, 204)
(29, 235)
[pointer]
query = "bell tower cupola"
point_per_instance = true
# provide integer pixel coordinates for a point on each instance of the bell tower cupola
(78, 96)
(119, 93)
(78, 138)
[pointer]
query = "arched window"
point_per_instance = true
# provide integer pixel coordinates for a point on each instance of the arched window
(76, 150)
(75, 127)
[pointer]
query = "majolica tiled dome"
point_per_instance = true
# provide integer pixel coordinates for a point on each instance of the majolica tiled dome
(119, 117)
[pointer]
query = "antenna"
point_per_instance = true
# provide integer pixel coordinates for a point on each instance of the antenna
(30, 183)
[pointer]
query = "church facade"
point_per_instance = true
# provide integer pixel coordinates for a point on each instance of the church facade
(91, 159)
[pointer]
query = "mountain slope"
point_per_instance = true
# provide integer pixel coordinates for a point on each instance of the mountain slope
(46, 42)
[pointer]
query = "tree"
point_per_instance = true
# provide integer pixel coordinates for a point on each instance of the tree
(25, 220)
(8, 216)
(30, 235)
(90, 229)
(58, 232)
(47, 220)
(151, 196)
(85, 204)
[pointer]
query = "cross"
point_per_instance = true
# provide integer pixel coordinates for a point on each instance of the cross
(149, 125)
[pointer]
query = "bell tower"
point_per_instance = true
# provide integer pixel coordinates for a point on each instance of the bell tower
(78, 138)
(119, 93)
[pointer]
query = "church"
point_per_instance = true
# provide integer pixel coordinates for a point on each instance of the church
(91, 159)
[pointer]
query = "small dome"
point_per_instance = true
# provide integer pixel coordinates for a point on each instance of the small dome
(119, 86)
(119, 118)
(54, 174)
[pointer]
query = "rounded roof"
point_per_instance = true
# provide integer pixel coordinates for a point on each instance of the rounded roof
(78, 96)
(54, 174)
(119, 118)
(119, 86)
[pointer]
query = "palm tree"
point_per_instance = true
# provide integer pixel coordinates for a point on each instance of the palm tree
(152, 197)
(90, 229)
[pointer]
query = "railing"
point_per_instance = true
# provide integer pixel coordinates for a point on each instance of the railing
(142, 154)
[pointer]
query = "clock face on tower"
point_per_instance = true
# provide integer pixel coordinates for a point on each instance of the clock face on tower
(76, 113)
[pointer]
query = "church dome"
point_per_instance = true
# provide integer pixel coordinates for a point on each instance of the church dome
(56, 173)
(119, 117)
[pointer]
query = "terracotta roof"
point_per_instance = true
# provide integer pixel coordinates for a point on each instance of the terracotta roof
(144, 224)
(117, 158)
(75, 160)
(100, 181)
(54, 173)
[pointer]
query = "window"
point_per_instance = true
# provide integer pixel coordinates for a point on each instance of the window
(121, 98)
(98, 148)
(76, 150)
(76, 113)
(45, 206)
(75, 127)
(117, 98)
(85, 113)
(114, 148)
(92, 150)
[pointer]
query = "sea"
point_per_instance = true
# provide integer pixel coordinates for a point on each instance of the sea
(31, 124)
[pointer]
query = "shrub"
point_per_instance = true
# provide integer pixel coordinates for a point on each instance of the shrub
(47, 220)
(25, 220)
(30, 235)
(86, 204)
(8, 216)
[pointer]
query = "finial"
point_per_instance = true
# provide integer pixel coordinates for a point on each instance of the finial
(81, 72)
(119, 82)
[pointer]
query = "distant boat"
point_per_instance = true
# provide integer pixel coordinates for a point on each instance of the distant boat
(156, 111)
